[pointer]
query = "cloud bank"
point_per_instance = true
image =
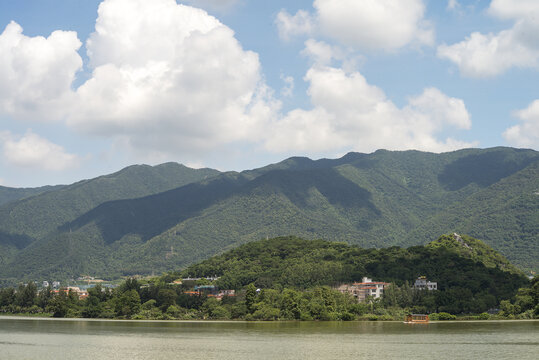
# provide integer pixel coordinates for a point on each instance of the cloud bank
(487, 55)
(366, 25)
(171, 81)
(526, 134)
(33, 151)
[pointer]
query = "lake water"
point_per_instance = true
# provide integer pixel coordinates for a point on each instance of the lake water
(29, 338)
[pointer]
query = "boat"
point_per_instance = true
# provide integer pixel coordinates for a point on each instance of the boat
(416, 319)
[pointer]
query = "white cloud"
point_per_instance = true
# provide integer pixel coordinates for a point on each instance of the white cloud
(36, 72)
(526, 134)
(169, 78)
(33, 151)
(324, 54)
(297, 25)
(485, 55)
(349, 113)
(375, 24)
(364, 25)
(514, 9)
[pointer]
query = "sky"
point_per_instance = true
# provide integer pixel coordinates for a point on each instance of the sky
(88, 87)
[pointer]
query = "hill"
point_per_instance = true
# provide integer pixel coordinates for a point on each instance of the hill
(382, 199)
(8, 194)
(466, 283)
(32, 218)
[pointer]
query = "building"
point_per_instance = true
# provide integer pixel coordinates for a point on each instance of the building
(367, 287)
(422, 283)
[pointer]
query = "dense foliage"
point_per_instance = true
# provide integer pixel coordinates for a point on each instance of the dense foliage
(290, 278)
(8, 194)
(372, 200)
(466, 284)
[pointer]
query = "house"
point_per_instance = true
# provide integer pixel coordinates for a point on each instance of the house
(422, 283)
(361, 290)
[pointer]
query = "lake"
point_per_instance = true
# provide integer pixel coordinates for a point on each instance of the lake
(30, 338)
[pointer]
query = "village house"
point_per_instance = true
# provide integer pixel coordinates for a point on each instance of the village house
(361, 290)
(422, 283)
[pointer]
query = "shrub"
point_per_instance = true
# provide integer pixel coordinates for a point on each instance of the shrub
(446, 316)
(346, 316)
(483, 316)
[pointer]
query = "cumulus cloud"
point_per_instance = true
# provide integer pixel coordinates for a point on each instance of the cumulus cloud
(36, 72)
(365, 25)
(514, 9)
(526, 134)
(348, 112)
(486, 55)
(169, 77)
(33, 151)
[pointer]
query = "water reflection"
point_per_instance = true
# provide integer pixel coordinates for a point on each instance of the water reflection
(52, 339)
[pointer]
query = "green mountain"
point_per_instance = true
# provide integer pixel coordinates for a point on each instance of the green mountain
(8, 194)
(374, 200)
(32, 218)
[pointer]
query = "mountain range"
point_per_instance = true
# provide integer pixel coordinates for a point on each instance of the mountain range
(146, 219)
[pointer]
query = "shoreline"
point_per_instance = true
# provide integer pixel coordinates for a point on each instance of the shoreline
(23, 317)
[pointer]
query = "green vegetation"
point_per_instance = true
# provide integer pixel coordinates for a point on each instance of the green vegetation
(374, 200)
(33, 218)
(292, 279)
(8, 194)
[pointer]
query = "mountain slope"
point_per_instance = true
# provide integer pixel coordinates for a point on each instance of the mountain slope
(381, 199)
(505, 214)
(8, 194)
(24, 221)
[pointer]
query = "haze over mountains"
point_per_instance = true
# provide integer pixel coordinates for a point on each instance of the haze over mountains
(143, 219)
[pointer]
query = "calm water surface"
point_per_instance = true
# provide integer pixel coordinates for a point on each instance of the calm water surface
(27, 338)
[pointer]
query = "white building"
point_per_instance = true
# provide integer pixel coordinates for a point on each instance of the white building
(366, 287)
(422, 283)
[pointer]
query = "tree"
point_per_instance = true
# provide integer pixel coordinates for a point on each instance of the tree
(26, 294)
(166, 298)
(7, 296)
(250, 297)
(128, 304)
(58, 305)
(44, 297)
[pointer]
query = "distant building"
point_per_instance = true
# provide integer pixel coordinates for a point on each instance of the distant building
(361, 290)
(422, 283)
(82, 294)
(45, 284)
(55, 284)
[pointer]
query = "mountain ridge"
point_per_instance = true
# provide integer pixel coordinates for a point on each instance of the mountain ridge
(381, 199)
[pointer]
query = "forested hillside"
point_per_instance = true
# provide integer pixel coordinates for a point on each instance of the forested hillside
(32, 218)
(465, 283)
(381, 199)
(8, 194)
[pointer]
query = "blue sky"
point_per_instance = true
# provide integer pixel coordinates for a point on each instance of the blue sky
(237, 84)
